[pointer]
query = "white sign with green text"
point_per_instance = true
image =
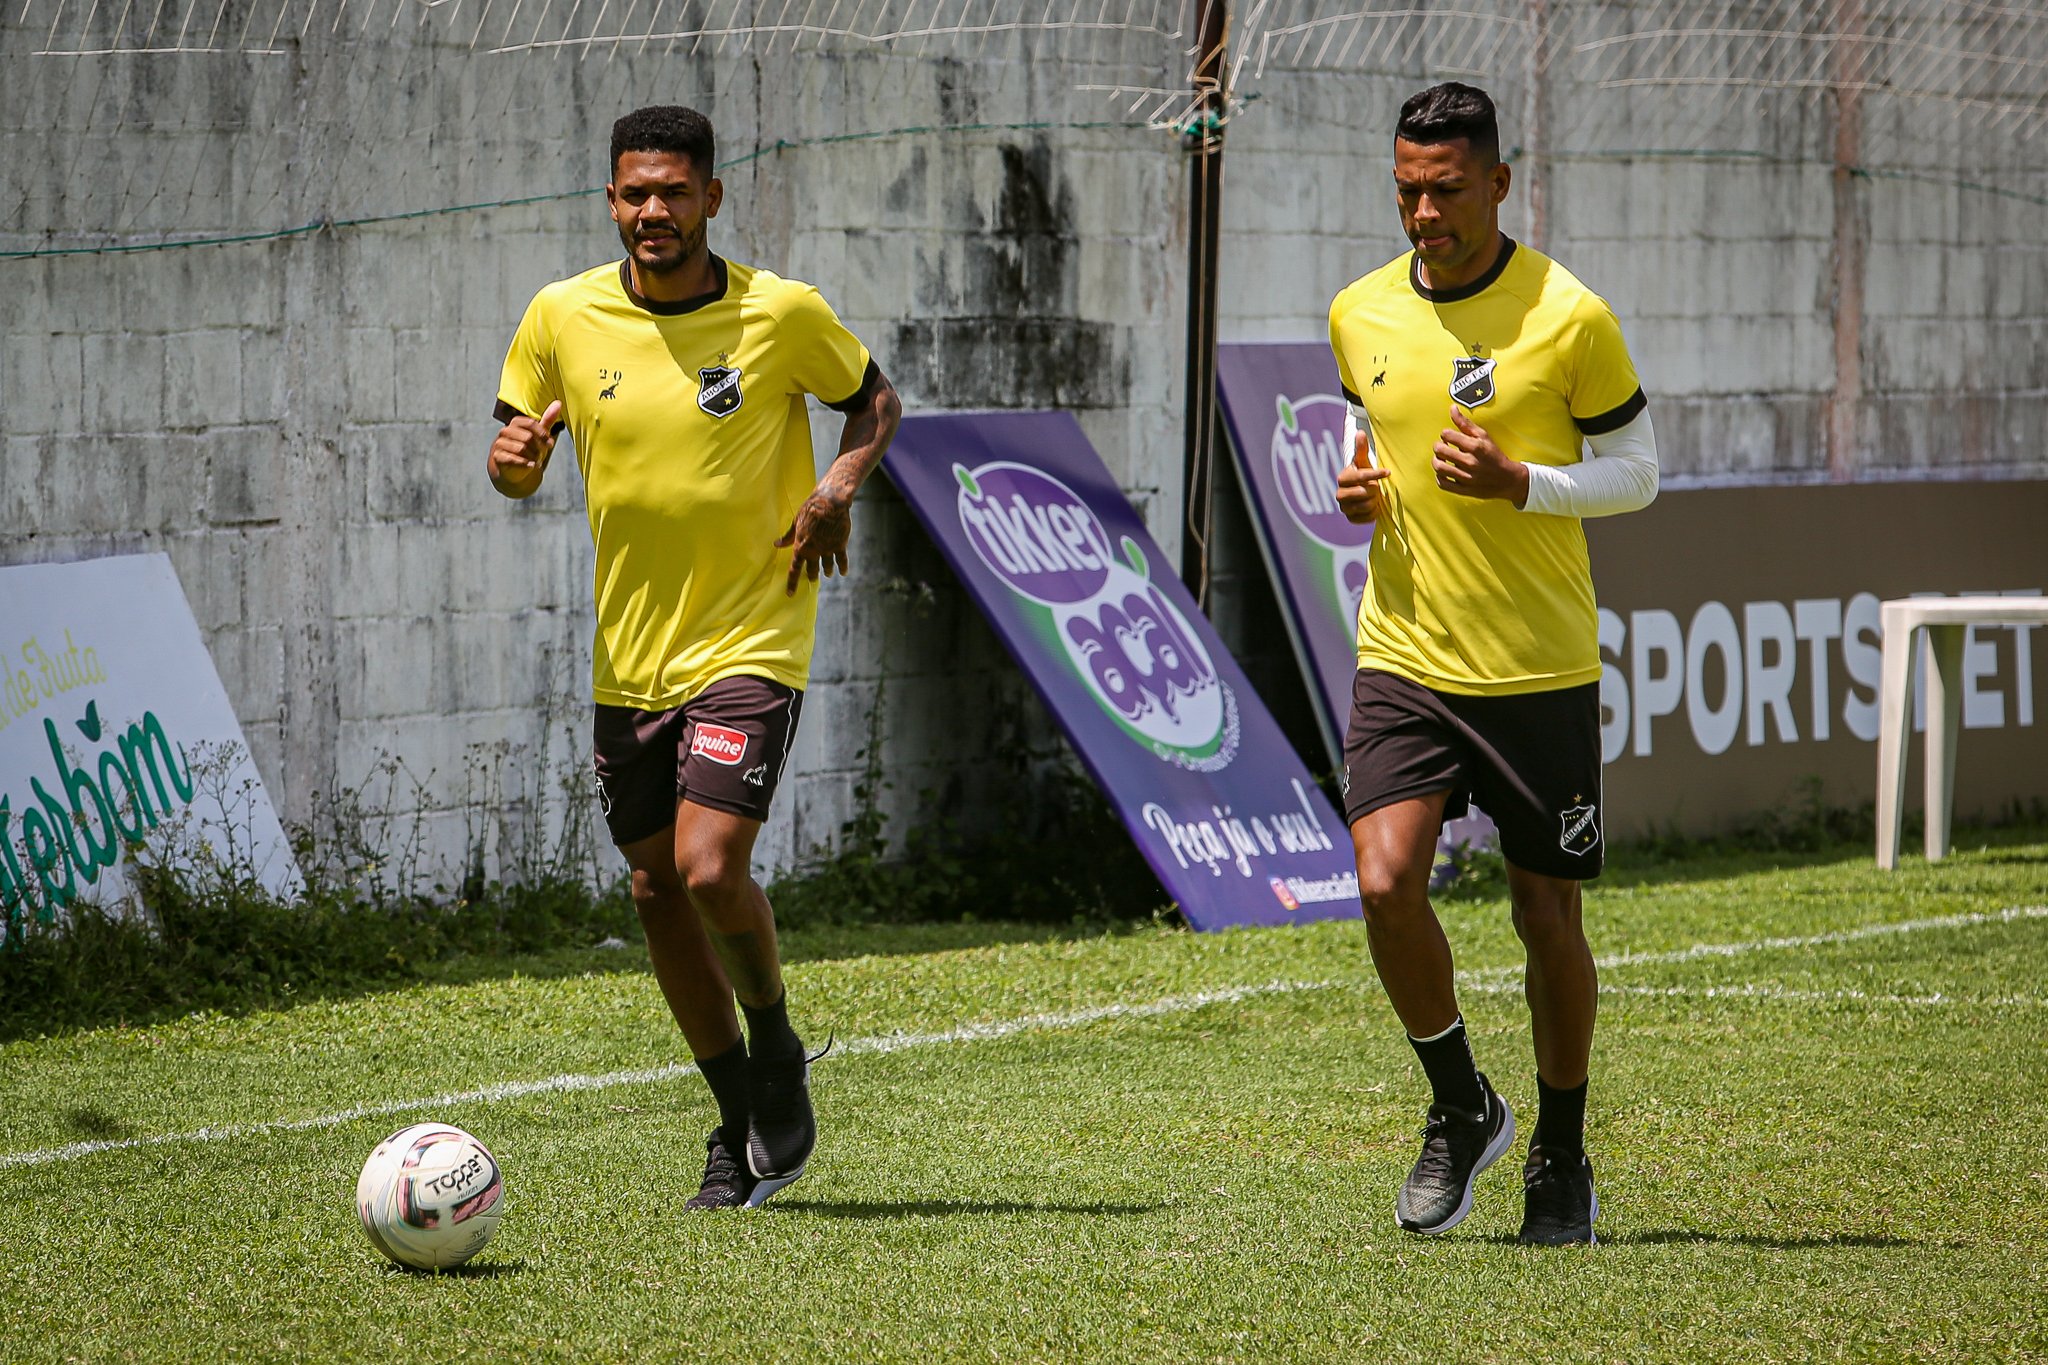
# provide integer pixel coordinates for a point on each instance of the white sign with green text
(118, 748)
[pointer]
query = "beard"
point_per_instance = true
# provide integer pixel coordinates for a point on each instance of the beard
(674, 252)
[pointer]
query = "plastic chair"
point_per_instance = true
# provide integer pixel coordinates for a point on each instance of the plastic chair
(1947, 621)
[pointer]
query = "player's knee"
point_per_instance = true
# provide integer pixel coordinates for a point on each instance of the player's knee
(1548, 921)
(655, 892)
(1390, 896)
(714, 882)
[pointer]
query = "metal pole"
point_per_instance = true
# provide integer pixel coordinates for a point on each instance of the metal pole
(1851, 243)
(1534, 172)
(1202, 138)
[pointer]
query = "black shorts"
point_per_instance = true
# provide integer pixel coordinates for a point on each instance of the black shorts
(724, 748)
(1531, 761)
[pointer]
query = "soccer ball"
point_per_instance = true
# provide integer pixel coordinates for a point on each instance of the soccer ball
(430, 1196)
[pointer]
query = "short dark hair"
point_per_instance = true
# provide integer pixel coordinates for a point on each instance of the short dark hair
(665, 128)
(1447, 112)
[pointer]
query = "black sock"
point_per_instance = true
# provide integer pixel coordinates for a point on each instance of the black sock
(1453, 1076)
(1560, 1119)
(768, 1029)
(726, 1074)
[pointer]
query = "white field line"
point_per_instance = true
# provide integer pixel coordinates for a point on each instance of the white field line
(505, 1090)
(1506, 980)
(1697, 951)
(1488, 979)
(1770, 990)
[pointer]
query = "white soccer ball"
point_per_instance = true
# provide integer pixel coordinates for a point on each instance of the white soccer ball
(430, 1196)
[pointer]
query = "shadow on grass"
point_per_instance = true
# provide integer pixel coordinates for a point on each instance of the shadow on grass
(796, 945)
(86, 1121)
(1758, 1240)
(1765, 1242)
(2013, 857)
(948, 1208)
(817, 944)
(484, 1270)
(1645, 867)
(1652, 863)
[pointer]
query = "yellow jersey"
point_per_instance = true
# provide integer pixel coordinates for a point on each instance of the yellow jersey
(1468, 595)
(690, 429)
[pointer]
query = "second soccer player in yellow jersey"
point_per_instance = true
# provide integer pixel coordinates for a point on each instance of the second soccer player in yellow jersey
(1495, 406)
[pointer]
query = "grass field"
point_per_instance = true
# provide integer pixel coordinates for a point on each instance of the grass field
(1817, 1123)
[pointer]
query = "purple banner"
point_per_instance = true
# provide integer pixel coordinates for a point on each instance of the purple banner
(1284, 411)
(1055, 557)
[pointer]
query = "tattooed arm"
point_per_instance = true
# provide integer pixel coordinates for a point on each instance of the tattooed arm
(819, 533)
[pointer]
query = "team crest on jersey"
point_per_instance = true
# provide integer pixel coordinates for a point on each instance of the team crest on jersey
(1580, 828)
(718, 390)
(1471, 380)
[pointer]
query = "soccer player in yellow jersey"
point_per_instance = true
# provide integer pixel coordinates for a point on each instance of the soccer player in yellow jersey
(681, 378)
(1478, 372)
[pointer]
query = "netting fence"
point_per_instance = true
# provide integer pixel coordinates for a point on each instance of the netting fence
(134, 123)
(349, 108)
(1929, 84)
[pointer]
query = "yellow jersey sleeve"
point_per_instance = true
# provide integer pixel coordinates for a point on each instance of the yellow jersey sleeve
(1338, 307)
(826, 360)
(531, 380)
(1602, 390)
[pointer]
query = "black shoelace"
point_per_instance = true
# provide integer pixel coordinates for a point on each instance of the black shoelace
(722, 1166)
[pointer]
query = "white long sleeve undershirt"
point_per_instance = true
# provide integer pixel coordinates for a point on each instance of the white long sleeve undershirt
(1619, 476)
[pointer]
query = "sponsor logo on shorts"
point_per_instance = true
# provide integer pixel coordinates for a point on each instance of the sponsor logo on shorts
(604, 796)
(1581, 826)
(756, 776)
(719, 744)
(1472, 380)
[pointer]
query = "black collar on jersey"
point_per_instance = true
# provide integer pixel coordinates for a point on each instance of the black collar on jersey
(1463, 291)
(680, 306)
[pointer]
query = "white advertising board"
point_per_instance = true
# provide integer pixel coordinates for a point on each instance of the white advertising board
(117, 742)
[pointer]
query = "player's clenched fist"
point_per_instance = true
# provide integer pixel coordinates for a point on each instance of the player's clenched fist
(1358, 484)
(1469, 463)
(521, 452)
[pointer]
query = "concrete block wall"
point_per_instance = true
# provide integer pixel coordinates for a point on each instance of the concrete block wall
(1966, 399)
(300, 422)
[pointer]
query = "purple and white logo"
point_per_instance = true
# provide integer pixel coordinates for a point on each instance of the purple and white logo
(1034, 533)
(1308, 454)
(1140, 659)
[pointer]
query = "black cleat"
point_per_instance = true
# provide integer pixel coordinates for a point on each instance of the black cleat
(784, 1131)
(1456, 1147)
(727, 1185)
(1558, 1201)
